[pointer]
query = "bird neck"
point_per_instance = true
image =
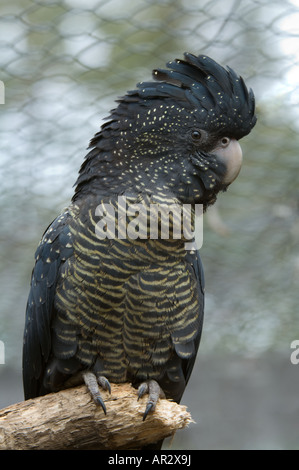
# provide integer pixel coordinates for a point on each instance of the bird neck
(117, 165)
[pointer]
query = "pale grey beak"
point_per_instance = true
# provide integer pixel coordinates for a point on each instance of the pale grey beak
(231, 155)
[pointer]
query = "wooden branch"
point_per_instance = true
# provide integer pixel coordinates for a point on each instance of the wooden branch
(69, 420)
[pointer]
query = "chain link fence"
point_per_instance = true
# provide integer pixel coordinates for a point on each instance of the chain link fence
(63, 63)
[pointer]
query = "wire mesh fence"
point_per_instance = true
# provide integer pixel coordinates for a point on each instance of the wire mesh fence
(63, 63)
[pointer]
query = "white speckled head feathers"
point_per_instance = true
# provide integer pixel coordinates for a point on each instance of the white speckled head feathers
(163, 133)
(201, 84)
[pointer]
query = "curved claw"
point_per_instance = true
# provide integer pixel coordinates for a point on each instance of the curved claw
(99, 401)
(91, 382)
(150, 406)
(154, 390)
(142, 389)
(104, 383)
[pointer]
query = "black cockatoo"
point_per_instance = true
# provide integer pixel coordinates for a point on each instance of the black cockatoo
(120, 308)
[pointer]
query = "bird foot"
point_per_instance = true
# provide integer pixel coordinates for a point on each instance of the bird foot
(154, 391)
(92, 382)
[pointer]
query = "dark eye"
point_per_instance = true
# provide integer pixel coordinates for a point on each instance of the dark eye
(196, 136)
(225, 141)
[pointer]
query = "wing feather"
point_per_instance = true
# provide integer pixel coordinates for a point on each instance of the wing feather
(54, 248)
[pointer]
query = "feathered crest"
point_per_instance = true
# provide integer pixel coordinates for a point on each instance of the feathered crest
(200, 83)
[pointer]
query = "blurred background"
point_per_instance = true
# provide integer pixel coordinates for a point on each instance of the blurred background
(63, 63)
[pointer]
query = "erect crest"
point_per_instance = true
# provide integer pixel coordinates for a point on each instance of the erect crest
(201, 84)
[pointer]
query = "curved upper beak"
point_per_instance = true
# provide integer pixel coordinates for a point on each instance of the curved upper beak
(231, 155)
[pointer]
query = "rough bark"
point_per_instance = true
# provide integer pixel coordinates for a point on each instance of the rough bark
(69, 419)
